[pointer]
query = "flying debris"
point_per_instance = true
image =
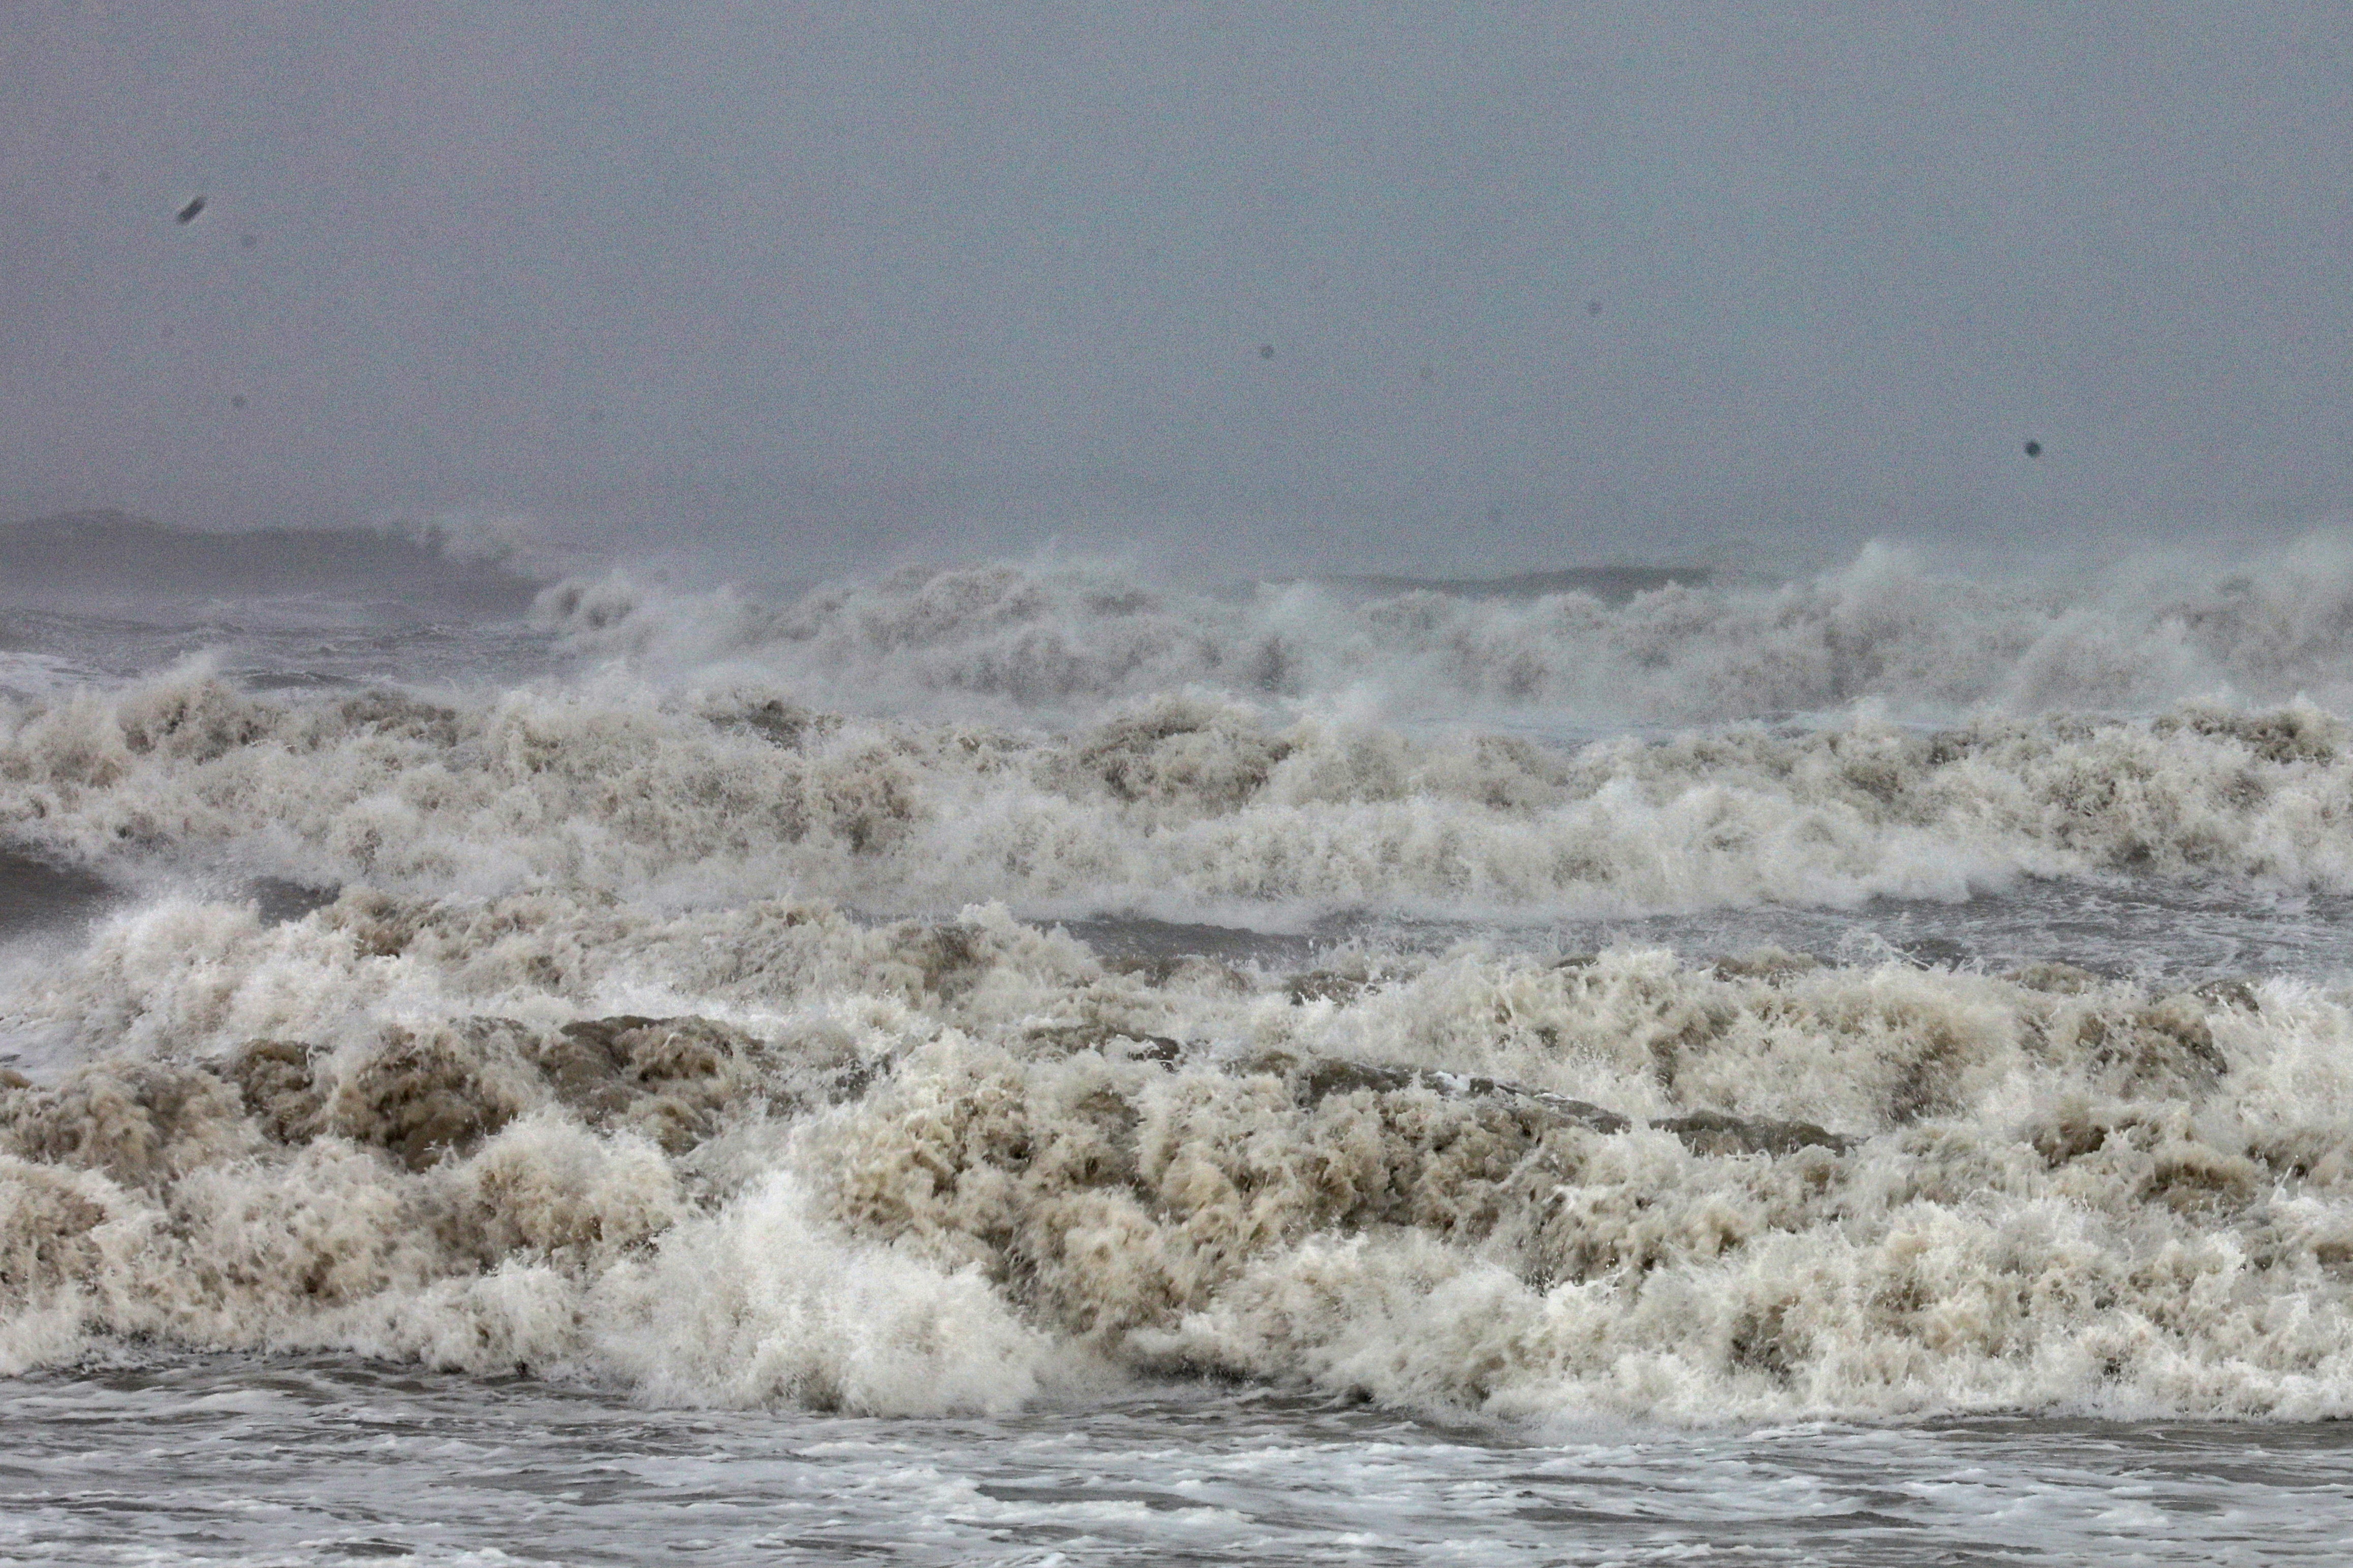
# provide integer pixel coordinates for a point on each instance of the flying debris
(2034, 448)
(1266, 351)
(189, 214)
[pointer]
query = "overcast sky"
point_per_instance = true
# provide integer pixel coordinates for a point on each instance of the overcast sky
(1542, 285)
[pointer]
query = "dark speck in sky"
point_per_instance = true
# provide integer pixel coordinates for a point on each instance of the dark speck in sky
(2034, 448)
(1593, 307)
(237, 402)
(247, 242)
(1266, 351)
(189, 214)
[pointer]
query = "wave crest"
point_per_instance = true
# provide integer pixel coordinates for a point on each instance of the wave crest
(1063, 638)
(1183, 807)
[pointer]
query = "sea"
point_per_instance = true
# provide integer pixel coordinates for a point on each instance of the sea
(1030, 1062)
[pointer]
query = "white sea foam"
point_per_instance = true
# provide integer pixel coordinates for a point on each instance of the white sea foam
(1181, 807)
(940, 1167)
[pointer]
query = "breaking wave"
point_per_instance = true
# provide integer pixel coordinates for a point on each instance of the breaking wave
(946, 1165)
(1180, 807)
(1060, 640)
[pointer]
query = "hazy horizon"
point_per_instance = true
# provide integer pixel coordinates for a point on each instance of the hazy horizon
(1499, 291)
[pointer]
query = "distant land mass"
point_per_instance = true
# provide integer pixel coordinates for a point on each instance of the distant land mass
(97, 557)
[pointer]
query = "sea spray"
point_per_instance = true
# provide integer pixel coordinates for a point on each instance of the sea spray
(1055, 640)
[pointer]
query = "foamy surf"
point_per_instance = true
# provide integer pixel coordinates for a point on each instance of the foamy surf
(942, 1166)
(1181, 808)
(951, 1005)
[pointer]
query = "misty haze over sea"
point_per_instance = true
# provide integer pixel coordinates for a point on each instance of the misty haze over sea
(1049, 784)
(1542, 286)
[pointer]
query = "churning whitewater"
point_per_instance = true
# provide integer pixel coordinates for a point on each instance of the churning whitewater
(964, 988)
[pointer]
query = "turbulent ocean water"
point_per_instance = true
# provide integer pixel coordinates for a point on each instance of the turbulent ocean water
(1023, 1063)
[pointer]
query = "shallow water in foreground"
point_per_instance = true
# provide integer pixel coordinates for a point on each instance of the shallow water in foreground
(328, 1460)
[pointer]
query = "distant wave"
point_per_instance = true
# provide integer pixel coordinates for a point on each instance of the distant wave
(113, 559)
(1058, 641)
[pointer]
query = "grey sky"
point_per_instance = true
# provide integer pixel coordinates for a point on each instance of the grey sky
(816, 283)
